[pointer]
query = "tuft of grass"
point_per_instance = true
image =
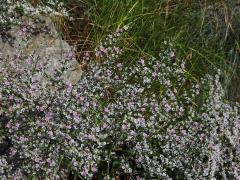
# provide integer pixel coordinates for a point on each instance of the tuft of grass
(206, 33)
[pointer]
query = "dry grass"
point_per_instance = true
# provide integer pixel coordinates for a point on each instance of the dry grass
(78, 31)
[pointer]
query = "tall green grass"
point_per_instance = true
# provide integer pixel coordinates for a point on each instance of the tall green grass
(206, 33)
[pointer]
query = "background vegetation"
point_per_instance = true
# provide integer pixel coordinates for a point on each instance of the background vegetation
(206, 32)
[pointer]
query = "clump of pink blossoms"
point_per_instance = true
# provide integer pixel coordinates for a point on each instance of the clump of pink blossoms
(147, 119)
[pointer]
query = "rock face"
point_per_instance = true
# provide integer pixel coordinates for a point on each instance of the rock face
(37, 38)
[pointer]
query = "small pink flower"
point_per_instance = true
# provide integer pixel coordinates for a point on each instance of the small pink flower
(119, 65)
(48, 116)
(77, 95)
(70, 55)
(87, 104)
(116, 49)
(37, 160)
(75, 163)
(11, 97)
(105, 125)
(24, 29)
(50, 133)
(118, 30)
(211, 145)
(125, 127)
(77, 119)
(7, 83)
(69, 126)
(17, 125)
(29, 61)
(143, 109)
(145, 135)
(37, 166)
(183, 65)
(10, 109)
(69, 89)
(75, 114)
(94, 168)
(172, 54)
(154, 74)
(142, 62)
(49, 160)
(94, 104)
(183, 132)
(106, 110)
(156, 109)
(84, 172)
(22, 139)
(13, 151)
(98, 53)
(103, 49)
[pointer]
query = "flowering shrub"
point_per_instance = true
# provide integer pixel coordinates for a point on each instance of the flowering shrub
(148, 119)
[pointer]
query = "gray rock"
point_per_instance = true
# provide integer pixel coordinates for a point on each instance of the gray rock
(38, 38)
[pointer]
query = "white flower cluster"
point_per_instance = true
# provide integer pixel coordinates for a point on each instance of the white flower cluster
(12, 10)
(147, 120)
